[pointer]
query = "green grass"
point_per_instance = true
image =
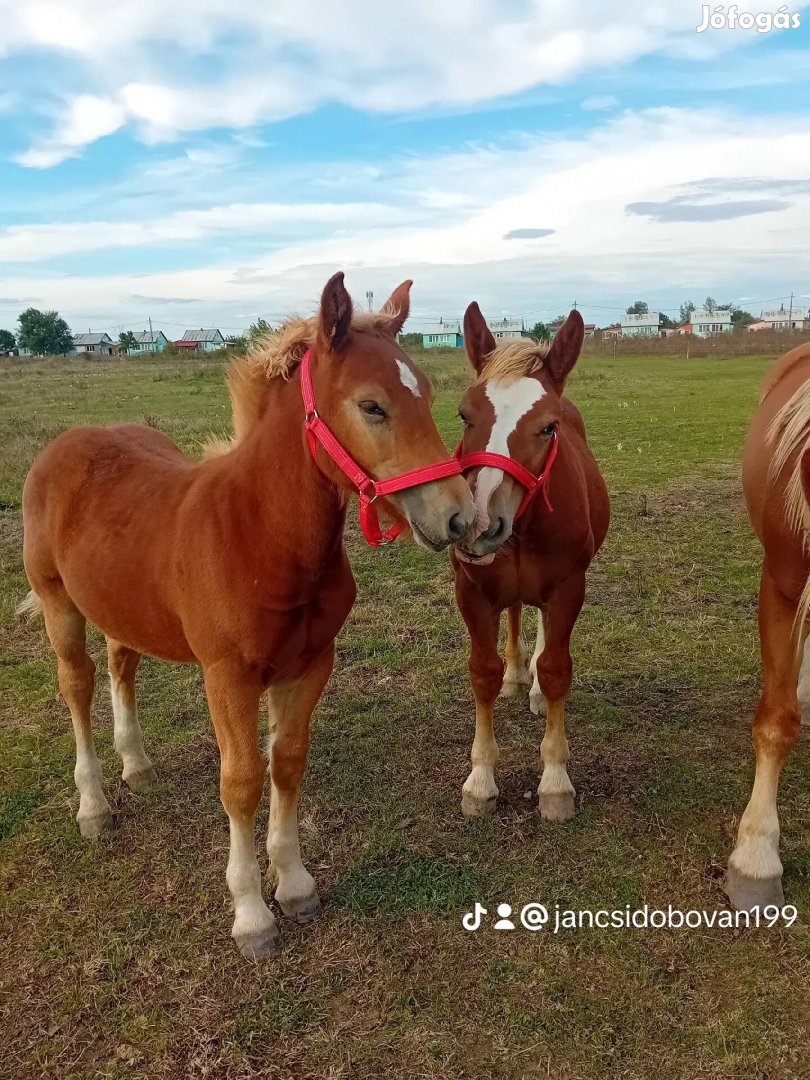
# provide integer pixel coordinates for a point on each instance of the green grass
(115, 958)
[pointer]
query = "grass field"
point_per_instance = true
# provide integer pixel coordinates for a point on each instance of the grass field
(115, 956)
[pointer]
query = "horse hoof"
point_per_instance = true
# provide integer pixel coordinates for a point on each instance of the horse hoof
(748, 894)
(302, 910)
(259, 945)
(141, 781)
(537, 704)
(557, 806)
(514, 688)
(93, 826)
(473, 808)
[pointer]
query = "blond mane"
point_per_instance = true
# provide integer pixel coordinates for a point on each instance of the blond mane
(276, 356)
(513, 360)
(789, 435)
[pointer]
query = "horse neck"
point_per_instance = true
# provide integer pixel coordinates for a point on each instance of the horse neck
(273, 474)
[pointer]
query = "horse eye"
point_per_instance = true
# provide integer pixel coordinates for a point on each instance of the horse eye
(371, 408)
(464, 419)
(549, 430)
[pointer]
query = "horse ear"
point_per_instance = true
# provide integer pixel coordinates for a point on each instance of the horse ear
(336, 314)
(478, 339)
(398, 306)
(565, 349)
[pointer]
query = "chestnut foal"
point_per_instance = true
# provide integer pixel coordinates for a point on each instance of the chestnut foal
(516, 410)
(776, 479)
(236, 563)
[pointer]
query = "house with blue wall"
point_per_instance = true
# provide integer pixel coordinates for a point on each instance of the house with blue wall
(442, 335)
(202, 340)
(149, 341)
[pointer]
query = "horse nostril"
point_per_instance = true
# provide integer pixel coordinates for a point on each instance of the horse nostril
(457, 527)
(495, 529)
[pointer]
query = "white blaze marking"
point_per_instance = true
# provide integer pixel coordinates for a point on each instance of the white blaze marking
(409, 380)
(511, 402)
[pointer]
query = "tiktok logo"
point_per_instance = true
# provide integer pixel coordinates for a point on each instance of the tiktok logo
(472, 920)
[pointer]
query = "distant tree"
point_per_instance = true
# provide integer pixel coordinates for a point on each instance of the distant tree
(258, 330)
(540, 332)
(237, 342)
(639, 308)
(7, 340)
(44, 333)
(710, 304)
(127, 340)
(173, 349)
(740, 318)
(686, 312)
(409, 341)
(665, 322)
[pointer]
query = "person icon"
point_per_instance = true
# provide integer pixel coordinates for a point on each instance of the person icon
(504, 922)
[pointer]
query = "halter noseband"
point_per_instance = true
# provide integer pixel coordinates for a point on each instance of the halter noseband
(369, 490)
(525, 477)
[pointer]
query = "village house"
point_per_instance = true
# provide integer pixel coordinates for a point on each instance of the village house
(442, 335)
(99, 344)
(705, 323)
(202, 340)
(506, 328)
(786, 319)
(643, 325)
(149, 341)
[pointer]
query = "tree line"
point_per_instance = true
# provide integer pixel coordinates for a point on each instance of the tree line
(46, 333)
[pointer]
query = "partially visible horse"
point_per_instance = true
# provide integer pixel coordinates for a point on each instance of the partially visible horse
(236, 563)
(522, 551)
(776, 479)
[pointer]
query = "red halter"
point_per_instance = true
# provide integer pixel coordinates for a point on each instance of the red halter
(368, 490)
(524, 476)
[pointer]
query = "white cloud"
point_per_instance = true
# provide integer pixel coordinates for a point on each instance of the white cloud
(32, 243)
(600, 103)
(449, 216)
(240, 65)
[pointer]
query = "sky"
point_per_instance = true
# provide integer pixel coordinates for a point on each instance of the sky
(207, 163)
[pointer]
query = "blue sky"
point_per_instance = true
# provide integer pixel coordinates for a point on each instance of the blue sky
(209, 162)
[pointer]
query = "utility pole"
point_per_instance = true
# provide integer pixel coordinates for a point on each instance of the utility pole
(790, 316)
(370, 299)
(150, 329)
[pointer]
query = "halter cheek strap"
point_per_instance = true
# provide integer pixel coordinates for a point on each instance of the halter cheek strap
(368, 490)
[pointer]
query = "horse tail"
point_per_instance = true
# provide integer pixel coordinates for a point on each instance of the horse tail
(30, 607)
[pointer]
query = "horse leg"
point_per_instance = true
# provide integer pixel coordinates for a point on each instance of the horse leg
(122, 662)
(554, 671)
(754, 876)
(234, 698)
(516, 676)
(486, 675)
(537, 703)
(66, 627)
(291, 706)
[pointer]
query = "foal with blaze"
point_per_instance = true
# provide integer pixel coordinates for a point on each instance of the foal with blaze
(534, 551)
(236, 563)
